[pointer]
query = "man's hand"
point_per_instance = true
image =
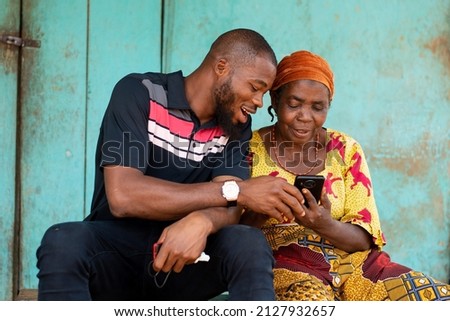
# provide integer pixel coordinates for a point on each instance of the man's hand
(272, 196)
(182, 242)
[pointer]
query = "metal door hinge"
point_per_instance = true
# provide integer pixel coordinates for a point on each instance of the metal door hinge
(19, 42)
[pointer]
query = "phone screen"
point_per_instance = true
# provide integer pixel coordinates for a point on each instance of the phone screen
(314, 183)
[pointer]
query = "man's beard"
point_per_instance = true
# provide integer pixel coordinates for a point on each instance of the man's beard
(224, 113)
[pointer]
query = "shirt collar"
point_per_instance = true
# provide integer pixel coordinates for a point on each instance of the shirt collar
(176, 95)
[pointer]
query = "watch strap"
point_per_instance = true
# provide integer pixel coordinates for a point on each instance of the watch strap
(231, 203)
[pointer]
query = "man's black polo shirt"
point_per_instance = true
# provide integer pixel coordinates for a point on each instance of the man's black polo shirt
(150, 126)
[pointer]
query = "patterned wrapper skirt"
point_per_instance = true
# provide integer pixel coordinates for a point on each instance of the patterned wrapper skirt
(310, 268)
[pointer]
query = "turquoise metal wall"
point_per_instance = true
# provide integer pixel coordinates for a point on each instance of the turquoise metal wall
(65, 85)
(392, 67)
(9, 62)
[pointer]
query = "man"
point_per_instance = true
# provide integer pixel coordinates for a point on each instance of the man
(171, 185)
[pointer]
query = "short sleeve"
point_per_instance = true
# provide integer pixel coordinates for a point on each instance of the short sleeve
(235, 162)
(124, 135)
(360, 207)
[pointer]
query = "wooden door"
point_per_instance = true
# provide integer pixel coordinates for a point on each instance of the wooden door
(65, 84)
(9, 66)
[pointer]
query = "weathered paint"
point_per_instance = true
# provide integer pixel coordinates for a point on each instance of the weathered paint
(67, 84)
(9, 24)
(52, 124)
(391, 64)
(124, 37)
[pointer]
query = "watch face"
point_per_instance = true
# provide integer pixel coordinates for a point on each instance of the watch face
(230, 191)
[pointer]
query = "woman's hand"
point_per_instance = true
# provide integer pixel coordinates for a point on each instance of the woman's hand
(316, 217)
(345, 236)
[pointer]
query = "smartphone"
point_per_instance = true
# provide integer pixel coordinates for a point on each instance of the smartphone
(314, 183)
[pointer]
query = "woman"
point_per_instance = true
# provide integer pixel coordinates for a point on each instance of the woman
(334, 251)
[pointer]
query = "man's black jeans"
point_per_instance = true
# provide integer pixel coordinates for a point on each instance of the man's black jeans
(111, 260)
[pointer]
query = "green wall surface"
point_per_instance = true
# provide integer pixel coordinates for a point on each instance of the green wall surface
(9, 63)
(65, 85)
(391, 61)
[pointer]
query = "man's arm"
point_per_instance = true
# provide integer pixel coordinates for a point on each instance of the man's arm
(198, 209)
(130, 193)
(184, 240)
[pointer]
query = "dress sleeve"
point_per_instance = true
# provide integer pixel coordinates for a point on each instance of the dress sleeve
(360, 207)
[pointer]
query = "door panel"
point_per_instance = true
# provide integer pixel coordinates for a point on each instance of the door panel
(124, 37)
(9, 64)
(86, 47)
(52, 123)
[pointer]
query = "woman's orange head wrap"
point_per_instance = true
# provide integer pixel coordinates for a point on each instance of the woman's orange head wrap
(304, 65)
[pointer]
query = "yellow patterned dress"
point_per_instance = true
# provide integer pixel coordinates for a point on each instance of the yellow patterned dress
(308, 267)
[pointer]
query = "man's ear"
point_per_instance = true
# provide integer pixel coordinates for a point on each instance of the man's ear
(222, 67)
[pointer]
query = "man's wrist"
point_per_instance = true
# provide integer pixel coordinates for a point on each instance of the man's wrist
(230, 191)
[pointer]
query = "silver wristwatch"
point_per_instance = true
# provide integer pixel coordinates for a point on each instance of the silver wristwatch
(230, 191)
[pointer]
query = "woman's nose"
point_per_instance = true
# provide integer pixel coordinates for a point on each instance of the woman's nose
(304, 113)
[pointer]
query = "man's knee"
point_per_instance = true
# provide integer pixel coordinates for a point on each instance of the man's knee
(245, 241)
(243, 233)
(64, 238)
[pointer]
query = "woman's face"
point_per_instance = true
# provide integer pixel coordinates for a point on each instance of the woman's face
(302, 108)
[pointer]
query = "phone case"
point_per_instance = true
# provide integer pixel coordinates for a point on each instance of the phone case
(314, 183)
